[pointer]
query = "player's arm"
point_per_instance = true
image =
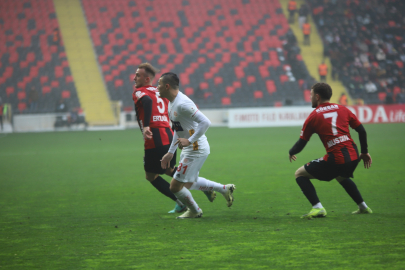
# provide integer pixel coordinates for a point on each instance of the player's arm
(298, 147)
(147, 110)
(203, 125)
(165, 161)
(365, 156)
(306, 134)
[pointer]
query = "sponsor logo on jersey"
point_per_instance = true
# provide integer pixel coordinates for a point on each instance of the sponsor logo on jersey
(340, 139)
(161, 118)
(177, 126)
(151, 88)
(139, 94)
(327, 108)
(175, 114)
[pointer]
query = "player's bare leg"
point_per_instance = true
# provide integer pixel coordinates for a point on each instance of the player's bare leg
(354, 193)
(302, 177)
(164, 187)
(184, 195)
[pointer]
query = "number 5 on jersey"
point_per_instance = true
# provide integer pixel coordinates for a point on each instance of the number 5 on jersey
(159, 100)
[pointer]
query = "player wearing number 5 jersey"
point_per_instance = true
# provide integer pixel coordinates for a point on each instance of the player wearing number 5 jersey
(151, 113)
(331, 122)
(189, 126)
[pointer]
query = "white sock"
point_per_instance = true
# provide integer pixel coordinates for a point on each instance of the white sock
(318, 205)
(179, 202)
(362, 205)
(184, 195)
(207, 185)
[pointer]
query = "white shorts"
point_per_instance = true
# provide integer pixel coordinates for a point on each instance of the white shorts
(189, 168)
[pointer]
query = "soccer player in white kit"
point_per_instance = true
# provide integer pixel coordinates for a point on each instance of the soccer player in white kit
(189, 126)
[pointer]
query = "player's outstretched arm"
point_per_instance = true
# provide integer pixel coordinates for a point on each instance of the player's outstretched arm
(298, 146)
(365, 156)
(366, 159)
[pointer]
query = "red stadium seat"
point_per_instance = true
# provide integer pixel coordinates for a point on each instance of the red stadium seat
(218, 80)
(118, 83)
(251, 79)
(226, 101)
(382, 96)
(9, 90)
(21, 95)
(203, 85)
(230, 90)
(43, 79)
(189, 91)
(65, 94)
(22, 106)
(283, 78)
(258, 94)
(278, 104)
(237, 84)
(55, 84)
(307, 95)
(69, 79)
(271, 88)
(46, 89)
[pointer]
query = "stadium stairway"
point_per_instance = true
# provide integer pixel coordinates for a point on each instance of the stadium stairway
(313, 55)
(90, 86)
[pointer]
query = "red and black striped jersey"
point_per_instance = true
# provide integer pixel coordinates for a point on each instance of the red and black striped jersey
(331, 122)
(159, 120)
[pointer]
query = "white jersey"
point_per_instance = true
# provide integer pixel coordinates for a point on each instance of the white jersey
(185, 119)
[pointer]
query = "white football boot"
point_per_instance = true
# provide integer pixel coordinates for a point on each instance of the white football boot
(191, 214)
(229, 194)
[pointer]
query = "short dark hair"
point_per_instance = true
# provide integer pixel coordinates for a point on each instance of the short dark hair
(149, 69)
(323, 90)
(171, 79)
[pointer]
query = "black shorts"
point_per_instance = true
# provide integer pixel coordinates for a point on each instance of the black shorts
(151, 160)
(327, 171)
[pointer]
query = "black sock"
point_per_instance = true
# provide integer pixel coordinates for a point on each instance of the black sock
(308, 189)
(164, 187)
(174, 171)
(352, 190)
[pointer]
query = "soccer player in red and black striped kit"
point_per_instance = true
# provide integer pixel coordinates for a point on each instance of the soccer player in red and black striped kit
(331, 122)
(153, 120)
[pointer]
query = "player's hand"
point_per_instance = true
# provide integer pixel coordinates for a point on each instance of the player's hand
(165, 161)
(147, 133)
(182, 142)
(292, 157)
(367, 160)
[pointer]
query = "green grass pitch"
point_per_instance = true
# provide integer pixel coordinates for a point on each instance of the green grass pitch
(79, 200)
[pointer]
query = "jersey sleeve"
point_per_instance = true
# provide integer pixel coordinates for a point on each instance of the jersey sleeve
(189, 110)
(138, 95)
(307, 129)
(353, 120)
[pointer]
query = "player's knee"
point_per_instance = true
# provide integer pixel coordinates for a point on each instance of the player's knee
(300, 172)
(150, 177)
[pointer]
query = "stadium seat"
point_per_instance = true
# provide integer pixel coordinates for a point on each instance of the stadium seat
(218, 80)
(46, 89)
(307, 95)
(226, 101)
(21, 95)
(189, 91)
(9, 90)
(229, 90)
(382, 96)
(278, 104)
(22, 106)
(65, 94)
(258, 94)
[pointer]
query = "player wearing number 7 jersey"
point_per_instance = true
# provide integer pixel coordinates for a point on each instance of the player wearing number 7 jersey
(189, 125)
(331, 122)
